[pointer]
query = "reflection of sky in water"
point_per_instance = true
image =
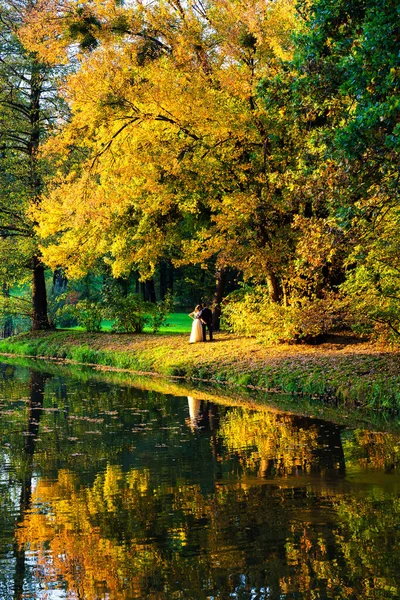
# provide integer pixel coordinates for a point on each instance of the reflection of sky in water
(179, 497)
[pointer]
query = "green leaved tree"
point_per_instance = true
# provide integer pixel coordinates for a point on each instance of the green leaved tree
(29, 107)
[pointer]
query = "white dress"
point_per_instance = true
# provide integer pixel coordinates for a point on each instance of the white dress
(196, 335)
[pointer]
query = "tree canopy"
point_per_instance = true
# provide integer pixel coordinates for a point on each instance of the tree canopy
(29, 108)
(259, 137)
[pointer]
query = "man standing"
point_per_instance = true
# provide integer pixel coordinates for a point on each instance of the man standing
(206, 321)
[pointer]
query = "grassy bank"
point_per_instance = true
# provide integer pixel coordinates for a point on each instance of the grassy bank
(344, 369)
(307, 406)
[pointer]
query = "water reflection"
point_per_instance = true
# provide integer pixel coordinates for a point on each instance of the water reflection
(34, 409)
(111, 492)
(202, 414)
(282, 445)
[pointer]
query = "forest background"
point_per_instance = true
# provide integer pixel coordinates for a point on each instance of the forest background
(155, 154)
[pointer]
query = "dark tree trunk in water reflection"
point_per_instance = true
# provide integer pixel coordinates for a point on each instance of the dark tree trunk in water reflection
(332, 459)
(35, 406)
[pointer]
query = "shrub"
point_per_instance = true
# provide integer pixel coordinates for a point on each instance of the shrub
(58, 314)
(87, 313)
(14, 314)
(161, 311)
(374, 302)
(129, 313)
(250, 312)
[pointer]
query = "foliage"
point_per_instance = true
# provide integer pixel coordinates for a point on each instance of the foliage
(250, 312)
(262, 137)
(374, 298)
(64, 294)
(373, 282)
(58, 316)
(161, 311)
(15, 310)
(344, 90)
(188, 172)
(29, 106)
(129, 313)
(87, 313)
(192, 284)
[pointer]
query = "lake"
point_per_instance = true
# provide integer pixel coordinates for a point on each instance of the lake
(111, 491)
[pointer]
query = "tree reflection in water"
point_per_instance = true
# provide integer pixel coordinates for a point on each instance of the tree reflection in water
(279, 444)
(148, 496)
(35, 406)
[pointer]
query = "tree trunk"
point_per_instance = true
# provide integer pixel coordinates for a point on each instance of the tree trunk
(8, 325)
(163, 280)
(170, 277)
(166, 279)
(60, 282)
(273, 287)
(148, 290)
(39, 295)
(218, 295)
(40, 319)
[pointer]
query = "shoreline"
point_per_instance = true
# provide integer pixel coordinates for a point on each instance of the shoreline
(344, 369)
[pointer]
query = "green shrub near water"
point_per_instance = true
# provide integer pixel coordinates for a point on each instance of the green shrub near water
(160, 312)
(128, 313)
(124, 313)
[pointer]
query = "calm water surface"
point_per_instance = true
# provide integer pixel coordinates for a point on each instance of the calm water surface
(112, 492)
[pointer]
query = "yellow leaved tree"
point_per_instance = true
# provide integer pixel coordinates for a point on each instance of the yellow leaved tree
(170, 151)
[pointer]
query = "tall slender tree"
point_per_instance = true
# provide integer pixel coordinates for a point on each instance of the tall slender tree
(28, 109)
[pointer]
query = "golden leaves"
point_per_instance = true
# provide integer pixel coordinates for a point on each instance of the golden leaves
(167, 133)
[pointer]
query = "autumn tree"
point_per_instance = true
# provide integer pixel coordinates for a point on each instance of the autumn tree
(28, 109)
(183, 161)
(205, 133)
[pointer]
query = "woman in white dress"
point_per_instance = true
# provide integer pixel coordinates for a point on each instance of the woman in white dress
(196, 335)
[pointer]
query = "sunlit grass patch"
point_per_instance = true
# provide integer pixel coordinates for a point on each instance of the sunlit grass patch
(175, 323)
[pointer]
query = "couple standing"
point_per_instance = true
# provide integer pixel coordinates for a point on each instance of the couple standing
(202, 320)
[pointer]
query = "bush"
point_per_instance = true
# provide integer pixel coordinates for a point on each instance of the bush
(251, 313)
(161, 311)
(374, 303)
(14, 315)
(58, 314)
(87, 313)
(129, 313)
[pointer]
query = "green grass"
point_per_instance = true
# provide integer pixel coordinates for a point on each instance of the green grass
(176, 323)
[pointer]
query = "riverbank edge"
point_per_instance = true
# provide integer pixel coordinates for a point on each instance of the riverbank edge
(352, 372)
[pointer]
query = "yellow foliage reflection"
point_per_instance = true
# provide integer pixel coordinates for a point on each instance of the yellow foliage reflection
(84, 551)
(374, 450)
(278, 444)
(132, 534)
